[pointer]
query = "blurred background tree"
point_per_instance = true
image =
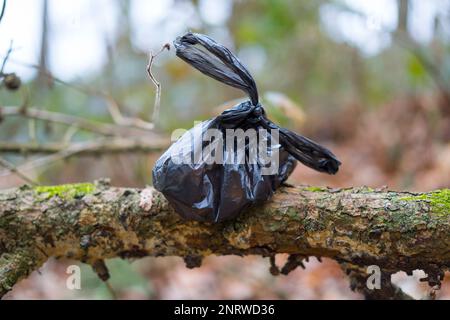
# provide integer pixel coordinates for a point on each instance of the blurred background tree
(370, 79)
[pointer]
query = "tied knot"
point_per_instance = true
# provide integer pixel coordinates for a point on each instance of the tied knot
(256, 114)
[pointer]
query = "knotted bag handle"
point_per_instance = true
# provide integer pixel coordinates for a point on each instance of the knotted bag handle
(216, 61)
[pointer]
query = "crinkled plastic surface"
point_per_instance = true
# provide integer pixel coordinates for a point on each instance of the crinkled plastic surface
(203, 190)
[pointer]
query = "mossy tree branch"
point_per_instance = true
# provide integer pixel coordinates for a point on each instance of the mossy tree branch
(356, 227)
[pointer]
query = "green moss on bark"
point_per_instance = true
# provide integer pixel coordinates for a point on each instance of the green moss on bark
(67, 191)
(439, 201)
(417, 212)
(316, 189)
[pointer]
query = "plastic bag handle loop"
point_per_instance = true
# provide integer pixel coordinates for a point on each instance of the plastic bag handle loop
(216, 61)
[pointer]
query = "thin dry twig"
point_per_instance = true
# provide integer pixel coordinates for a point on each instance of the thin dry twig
(70, 133)
(2, 13)
(157, 104)
(13, 169)
(5, 59)
(32, 130)
(61, 118)
(58, 151)
(112, 145)
(120, 119)
(58, 156)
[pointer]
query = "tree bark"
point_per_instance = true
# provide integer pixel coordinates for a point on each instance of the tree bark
(356, 227)
(403, 15)
(43, 79)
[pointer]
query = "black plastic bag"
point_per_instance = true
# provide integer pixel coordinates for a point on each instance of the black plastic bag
(206, 190)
